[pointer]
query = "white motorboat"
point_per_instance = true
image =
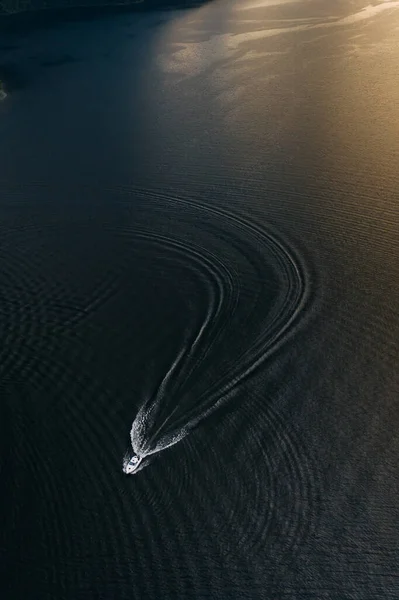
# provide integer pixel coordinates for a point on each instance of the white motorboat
(132, 464)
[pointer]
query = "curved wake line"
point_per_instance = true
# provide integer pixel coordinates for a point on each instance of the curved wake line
(221, 285)
(222, 295)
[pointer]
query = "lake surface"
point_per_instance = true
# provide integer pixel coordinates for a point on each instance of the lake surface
(199, 224)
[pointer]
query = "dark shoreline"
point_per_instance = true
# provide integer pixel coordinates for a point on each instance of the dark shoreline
(42, 18)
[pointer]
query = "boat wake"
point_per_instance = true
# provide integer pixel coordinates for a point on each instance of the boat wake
(240, 321)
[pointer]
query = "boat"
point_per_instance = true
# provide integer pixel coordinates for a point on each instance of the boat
(132, 464)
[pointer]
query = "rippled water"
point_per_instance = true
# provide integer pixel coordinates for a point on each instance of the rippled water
(199, 242)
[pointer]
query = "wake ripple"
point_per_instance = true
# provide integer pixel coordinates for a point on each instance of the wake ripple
(240, 261)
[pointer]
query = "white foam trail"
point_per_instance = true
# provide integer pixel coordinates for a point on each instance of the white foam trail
(151, 434)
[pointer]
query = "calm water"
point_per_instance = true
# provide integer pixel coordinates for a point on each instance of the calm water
(199, 232)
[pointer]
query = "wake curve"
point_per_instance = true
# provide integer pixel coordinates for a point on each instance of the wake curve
(156, 425)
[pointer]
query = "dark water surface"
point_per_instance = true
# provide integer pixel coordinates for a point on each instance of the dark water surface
(199, 218)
